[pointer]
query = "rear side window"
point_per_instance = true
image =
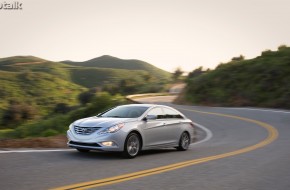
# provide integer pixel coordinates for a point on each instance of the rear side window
(158, 112)
(171, 114)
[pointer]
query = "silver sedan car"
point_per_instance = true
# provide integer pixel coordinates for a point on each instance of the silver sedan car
(132, 128)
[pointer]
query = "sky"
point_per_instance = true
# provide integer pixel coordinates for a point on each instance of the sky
(165, 33)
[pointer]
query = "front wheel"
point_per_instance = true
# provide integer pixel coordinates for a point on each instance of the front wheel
(184, 142)
(132, 146)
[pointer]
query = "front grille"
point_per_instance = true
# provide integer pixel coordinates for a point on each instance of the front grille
(85, 130)
(84, 144)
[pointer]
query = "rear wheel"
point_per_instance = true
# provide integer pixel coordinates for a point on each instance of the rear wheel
(132, 146)
(184, 142)
(83, 150)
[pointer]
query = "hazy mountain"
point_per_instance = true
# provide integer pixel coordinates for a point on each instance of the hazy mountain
(107, 61)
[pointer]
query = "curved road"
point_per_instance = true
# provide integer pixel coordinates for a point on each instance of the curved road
(249, 149)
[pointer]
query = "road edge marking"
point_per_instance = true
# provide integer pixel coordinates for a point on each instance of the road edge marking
(37, 150)
(208, 132)
(272, 136)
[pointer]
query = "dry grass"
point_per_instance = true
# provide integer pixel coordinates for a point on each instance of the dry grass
(39, 142)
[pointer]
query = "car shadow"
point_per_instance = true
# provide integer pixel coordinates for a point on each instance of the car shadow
(103, 155)
(92, 155)
(157, 151)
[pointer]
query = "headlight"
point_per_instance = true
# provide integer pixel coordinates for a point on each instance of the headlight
(112, 129)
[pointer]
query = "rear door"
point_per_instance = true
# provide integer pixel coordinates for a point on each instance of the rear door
(154, 129)
(173, 122)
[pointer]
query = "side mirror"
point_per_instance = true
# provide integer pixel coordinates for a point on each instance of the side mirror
(150, 117)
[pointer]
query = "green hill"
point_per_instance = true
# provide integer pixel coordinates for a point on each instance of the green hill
(20, 60)
(40, 89)
(34, 64)
(98, 72)
(107, 61)
(260, 82)
(94, 77)
(45, 83)
(34, 85)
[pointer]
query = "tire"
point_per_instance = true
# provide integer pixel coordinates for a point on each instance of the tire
(184, 142)
(83, 150)
(132, 146)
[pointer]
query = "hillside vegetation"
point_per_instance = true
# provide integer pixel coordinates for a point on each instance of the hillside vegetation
(39, 97)
(259, 82)
(58, 123)
(46, 83)
(36, 88)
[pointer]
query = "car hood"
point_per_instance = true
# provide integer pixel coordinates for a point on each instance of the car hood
(102, 121)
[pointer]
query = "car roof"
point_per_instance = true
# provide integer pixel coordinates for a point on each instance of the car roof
(139, 105)
(145, 105)
(152, 106)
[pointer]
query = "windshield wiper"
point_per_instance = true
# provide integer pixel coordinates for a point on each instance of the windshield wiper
(114, 116)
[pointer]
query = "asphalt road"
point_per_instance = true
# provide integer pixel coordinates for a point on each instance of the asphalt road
(244, 153)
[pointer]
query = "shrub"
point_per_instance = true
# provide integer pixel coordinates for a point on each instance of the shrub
(17, 113)
(61, 108)
(85, 97)
(49, 132)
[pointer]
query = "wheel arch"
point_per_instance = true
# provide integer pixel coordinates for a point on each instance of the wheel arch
(139, 135)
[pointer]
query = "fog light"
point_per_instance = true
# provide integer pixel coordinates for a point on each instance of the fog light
(108, 143)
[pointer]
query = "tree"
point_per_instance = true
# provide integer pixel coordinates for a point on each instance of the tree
(147, 77)
(111, 88)
(86, 97)
(196, 73)
(240, 58)
(128, 86)
(282, 47)
(61, 108)
(177, 74)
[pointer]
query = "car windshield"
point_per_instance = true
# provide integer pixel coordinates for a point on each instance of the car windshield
(125, 112)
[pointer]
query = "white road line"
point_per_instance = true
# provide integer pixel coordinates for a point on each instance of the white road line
(209, 134)
(254, 109)
(27, 151)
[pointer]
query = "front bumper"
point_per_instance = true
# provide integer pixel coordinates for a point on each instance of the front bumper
(94, 142)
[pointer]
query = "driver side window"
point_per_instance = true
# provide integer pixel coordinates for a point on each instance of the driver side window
(158, 112)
